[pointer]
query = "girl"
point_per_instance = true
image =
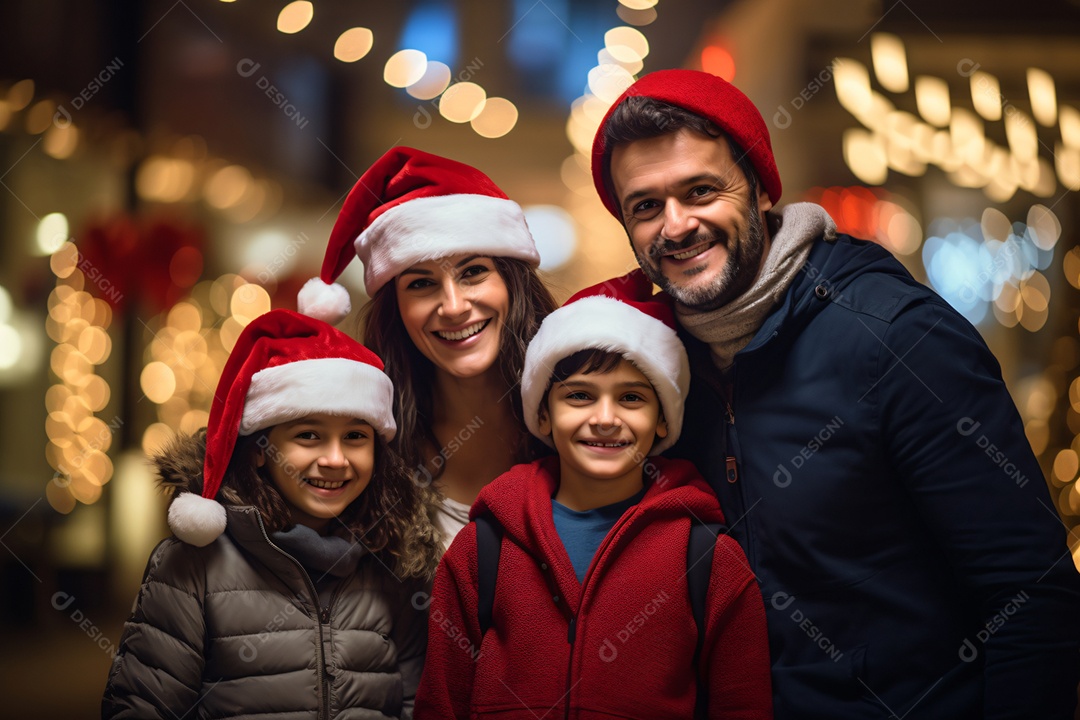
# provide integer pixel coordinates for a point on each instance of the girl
(451, 268)
(300, 543)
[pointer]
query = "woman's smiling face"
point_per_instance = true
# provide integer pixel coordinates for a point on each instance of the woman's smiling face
(454, 309)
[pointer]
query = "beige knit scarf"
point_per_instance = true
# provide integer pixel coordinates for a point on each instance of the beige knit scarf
(729, 329)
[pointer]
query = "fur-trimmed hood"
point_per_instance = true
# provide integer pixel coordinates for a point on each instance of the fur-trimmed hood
(179, 467)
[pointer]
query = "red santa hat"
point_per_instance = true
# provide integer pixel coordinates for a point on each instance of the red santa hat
(712, 98)
(619, 316)
(284, 366)
(412, 206)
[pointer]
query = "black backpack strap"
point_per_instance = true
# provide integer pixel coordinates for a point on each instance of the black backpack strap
(488, 546)
(699, 561)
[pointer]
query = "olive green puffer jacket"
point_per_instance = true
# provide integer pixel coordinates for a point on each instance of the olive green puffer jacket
(239, 629)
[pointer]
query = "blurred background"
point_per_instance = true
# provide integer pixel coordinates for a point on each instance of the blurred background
(172, 168)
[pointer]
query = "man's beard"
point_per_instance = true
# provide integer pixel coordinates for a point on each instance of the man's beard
(740, 270)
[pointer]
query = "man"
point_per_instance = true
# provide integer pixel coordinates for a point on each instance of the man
(843, 414)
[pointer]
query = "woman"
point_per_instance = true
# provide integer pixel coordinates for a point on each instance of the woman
(450, 265)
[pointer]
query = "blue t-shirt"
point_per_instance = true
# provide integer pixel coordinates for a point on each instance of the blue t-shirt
(582, 532)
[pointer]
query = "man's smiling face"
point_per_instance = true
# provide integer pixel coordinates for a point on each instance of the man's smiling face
(693, 220)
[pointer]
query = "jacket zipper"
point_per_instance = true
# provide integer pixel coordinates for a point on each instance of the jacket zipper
(731, 468)
(571, 634)
(320, 661)
(570, 665)
(324, 619)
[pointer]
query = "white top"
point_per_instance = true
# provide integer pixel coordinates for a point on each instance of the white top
(451, 518)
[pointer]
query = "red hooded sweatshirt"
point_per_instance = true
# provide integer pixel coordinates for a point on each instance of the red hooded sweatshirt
(619, 645)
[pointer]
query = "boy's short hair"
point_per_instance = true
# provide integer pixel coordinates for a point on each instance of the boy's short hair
(586, 362)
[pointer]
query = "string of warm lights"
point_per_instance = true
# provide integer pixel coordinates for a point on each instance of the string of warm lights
(410, 69)
(950, 137)
(78, 440)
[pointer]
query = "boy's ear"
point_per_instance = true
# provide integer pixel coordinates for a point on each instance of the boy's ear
(545, 421)
(661, 426)
(260, 457)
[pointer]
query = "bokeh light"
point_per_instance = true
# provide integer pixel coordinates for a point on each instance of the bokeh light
(52, 233)
(353, 44)
(404, 68)
(462, 102)
(496, 119)
(890, 61)
(717, 60)
(432, 83)
(295, 16)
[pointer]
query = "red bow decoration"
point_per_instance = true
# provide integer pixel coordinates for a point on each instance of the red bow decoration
(128, 261)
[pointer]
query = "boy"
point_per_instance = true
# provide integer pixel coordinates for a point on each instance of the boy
(591, 614)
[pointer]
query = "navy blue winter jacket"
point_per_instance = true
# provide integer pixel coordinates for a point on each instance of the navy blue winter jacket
(877, 475)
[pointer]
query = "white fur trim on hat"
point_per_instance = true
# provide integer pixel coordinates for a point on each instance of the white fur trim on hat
(605, 323)
(196, 520)
(435, 227)
(329, 303)
(337, 386)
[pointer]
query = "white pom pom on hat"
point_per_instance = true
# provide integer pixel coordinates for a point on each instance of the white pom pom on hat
(329, 303)
(196, 520)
